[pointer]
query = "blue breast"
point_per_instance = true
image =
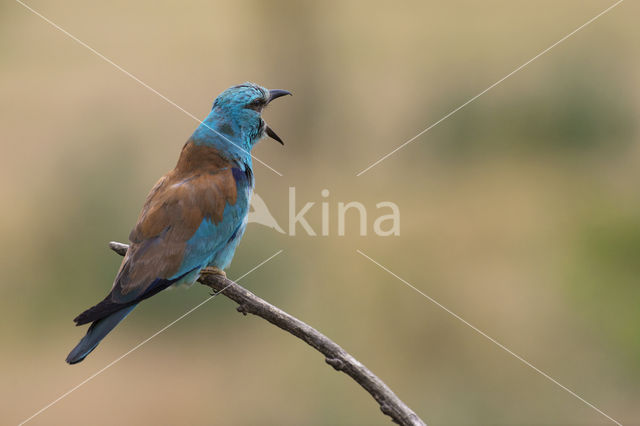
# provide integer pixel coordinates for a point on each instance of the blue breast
(243, 178)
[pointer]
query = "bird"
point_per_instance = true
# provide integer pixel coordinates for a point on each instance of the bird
(194, 217)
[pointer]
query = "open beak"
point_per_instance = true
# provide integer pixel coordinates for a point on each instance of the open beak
(273, 135)
(274, 94)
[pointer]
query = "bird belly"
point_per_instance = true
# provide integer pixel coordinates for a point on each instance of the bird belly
(223, 257)
(214, 244)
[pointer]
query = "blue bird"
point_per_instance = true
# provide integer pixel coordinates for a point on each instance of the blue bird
(195, 215)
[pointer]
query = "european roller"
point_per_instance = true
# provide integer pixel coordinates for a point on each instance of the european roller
(194, 217)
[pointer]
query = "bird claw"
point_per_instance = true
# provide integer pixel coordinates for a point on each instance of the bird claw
(212, 270)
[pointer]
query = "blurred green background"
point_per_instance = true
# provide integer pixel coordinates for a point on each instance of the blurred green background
(521, 212)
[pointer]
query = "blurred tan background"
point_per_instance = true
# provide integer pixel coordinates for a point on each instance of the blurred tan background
(521, 212)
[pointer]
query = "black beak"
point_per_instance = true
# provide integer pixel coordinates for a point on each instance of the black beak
(273, 135)
(275, 94)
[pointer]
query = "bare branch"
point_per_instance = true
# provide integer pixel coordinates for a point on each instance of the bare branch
(338, 358)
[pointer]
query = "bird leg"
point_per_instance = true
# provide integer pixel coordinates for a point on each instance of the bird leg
(212, 270)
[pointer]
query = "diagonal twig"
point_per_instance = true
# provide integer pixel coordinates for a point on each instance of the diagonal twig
(338, 358)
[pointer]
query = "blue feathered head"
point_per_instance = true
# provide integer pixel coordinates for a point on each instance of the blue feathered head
(241, 107)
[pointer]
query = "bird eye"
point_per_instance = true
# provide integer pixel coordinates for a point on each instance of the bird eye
(256, 104)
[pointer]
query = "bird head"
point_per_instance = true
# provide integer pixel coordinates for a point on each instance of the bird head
(237, 114)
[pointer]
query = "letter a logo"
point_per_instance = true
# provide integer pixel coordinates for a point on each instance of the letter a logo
(261, 214)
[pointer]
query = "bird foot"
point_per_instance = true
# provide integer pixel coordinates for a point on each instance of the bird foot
(212, 270)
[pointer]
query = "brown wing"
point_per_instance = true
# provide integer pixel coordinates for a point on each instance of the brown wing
(200, 187)
(171, 215)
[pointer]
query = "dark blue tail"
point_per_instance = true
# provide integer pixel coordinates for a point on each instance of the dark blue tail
(97, 331)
